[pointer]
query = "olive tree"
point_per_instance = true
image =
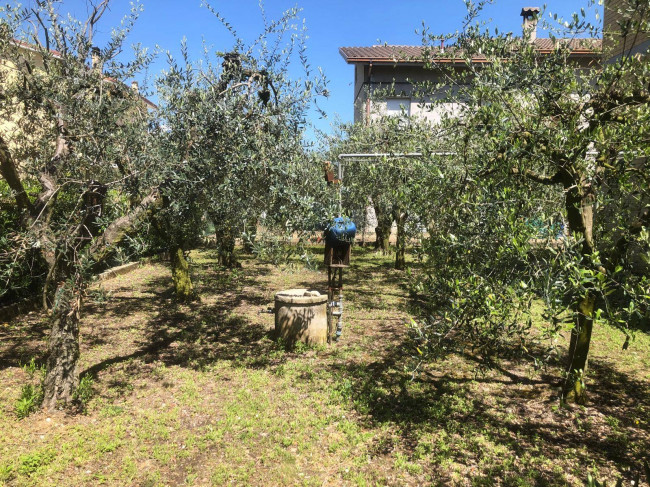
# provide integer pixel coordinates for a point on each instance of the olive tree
(234, 123)
(541, 141)
(72, 149)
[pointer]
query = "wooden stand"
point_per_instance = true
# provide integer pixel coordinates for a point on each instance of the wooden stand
(336, 259)
(337, 256)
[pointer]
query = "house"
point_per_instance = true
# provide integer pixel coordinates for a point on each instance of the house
(34, 57)
(617, 40)
(626, 35)
(399, 68)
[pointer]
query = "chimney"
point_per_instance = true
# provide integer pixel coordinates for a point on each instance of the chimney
(530, 15)
(135, 86)
(96, 59)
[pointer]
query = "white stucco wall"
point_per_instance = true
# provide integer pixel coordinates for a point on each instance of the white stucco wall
(396, 82)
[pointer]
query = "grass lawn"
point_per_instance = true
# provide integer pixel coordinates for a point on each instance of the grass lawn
(200, 394)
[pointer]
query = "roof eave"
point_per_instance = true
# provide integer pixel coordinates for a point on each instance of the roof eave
(383, 61)
(358, 60)
(414, 62)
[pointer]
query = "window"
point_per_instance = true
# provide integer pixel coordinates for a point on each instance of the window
(398, 107)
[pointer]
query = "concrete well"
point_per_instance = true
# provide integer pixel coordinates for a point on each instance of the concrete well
(301, 315)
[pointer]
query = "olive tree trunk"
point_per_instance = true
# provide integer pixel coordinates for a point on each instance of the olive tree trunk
(226, 250)
(181, 275)
(62, 375)
(400, 253)
(574, 388)
(382, 230)
(579, 206)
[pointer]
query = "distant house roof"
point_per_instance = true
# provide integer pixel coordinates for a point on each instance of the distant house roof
(397, 54)
(32, 47)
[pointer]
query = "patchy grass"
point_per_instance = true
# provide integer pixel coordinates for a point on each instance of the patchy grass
(199, 394)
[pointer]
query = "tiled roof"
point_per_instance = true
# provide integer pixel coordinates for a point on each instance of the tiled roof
(582, 46)
(382, 52)
(414, 54)
(32, 47)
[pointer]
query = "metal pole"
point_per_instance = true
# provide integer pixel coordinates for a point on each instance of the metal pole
(340, 189)
(379, 154)
(371, 155)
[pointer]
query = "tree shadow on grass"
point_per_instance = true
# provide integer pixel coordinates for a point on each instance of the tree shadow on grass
(194, 342)
(493, 421)
(172, 324)
(191, 335)
(512, 426)
(22, 339)
(619, 396)
(508, 426)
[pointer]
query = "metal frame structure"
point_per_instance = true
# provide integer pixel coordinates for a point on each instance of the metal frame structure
(335, 272)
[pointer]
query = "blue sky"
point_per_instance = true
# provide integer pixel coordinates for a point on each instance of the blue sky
(330, 23)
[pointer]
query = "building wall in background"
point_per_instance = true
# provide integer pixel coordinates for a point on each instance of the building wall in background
(614, 43)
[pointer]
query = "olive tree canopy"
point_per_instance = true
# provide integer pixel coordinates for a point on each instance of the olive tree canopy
(551, 202)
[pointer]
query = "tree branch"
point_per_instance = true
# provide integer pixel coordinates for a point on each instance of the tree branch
(45, 31)
(46, 176)
(538, 178)
(10, 174)
(102, 247)
(93, 18)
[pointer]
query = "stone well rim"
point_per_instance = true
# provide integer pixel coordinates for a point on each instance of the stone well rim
(297, 296)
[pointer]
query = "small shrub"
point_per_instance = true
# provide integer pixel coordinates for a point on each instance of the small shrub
(84, 392)
(6, 472)
(29, 401)
(274, 249)
(31, 368)
(300, 348)
(342, 391)
(30, 463)
(31, 394)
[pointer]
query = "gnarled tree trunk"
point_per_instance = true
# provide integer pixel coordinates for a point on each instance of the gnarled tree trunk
(62, 376)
